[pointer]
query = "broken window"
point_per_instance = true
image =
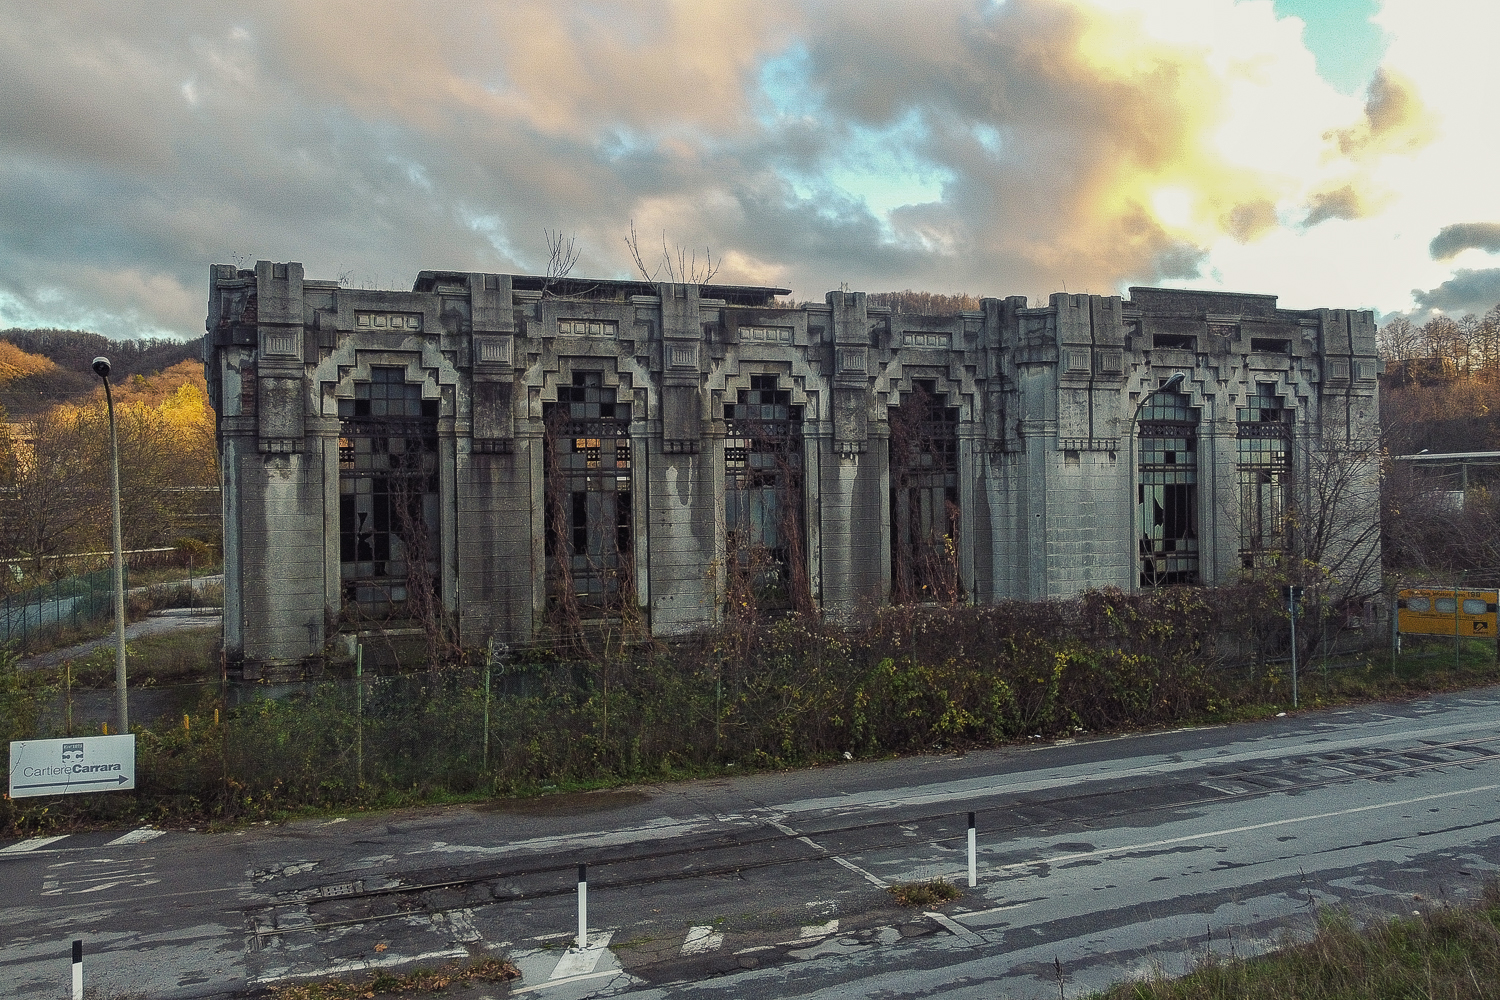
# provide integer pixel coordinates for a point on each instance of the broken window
(924, 497)
(1167, 491)
(1264, 433)
(588, 534)
(388, 497)
(763, 498)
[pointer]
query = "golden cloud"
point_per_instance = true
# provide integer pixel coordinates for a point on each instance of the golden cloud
(1395, 120)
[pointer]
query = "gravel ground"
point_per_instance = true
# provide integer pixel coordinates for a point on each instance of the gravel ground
(157, 623)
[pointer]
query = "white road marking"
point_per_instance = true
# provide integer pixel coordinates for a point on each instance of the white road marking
(1049, 778)
(954, 927)
(357, 965)
(140, 836)
(75, 878)
(460, 922)
(702, 939)
(819, 930)
(655, 829)
(27, 846)
(1148, 845)
(874, 880)
(581, 963)
(576, 979)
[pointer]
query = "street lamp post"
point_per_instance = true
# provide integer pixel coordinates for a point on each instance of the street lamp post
(1172, 383)
(122, 707)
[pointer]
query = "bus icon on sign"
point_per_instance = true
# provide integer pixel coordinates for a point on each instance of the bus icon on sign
(72, 752)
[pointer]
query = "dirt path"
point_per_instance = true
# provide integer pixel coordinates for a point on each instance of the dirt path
(158, 623)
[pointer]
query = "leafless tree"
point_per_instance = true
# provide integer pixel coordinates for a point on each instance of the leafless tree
(562, 255)
(1336, 521)
(683, 266)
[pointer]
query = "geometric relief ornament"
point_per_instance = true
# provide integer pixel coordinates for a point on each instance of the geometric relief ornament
(394, 321)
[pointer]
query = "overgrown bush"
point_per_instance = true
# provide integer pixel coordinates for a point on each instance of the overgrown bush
(755, 692)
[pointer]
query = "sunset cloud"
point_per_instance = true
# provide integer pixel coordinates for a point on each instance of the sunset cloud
(994, 148)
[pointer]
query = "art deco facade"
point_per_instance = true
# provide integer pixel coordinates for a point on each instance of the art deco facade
(502, 449)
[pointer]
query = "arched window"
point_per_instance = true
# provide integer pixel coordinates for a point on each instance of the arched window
(1264, 437)
(588, 536)
(1167, 491)
(924, 497)
(763, 498)
(388, 497)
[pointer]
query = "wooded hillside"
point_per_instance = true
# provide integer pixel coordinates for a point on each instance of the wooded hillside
(41, 368)
(54, 449)
(1441, 393)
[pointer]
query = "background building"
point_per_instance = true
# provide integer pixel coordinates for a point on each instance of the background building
(506, 450)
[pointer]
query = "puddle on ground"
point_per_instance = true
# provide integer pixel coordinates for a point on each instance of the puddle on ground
(567, 803)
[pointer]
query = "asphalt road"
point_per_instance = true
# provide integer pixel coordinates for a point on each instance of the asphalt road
(1102, 858)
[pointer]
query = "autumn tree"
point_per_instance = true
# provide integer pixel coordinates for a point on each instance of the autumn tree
(56, 497)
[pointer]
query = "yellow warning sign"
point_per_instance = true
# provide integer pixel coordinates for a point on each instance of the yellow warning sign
(1469, 613)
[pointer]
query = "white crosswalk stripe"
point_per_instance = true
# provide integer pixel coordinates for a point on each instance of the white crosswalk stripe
(580, 963)
(141, 836)
(27, 846)
(702, 939)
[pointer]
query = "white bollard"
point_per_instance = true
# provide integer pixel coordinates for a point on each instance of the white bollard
(973, 859)
(583, 907)
(77, 970)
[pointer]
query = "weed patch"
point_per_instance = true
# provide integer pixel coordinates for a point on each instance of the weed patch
(757, 694)
(1444, 952)
(488, 970)
(924, 894)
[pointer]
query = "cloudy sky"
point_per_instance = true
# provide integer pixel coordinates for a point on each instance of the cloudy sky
(1334, 152)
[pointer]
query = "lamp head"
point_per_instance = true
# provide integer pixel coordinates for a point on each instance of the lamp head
(1177, 379)
(101, 368)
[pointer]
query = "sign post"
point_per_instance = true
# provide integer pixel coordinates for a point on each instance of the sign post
(1293, 596)
(72, 766)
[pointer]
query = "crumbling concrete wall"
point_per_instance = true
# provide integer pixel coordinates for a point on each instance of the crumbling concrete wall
(1047, 399)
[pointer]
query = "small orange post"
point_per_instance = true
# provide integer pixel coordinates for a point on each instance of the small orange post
(106, 729)
(184, 723)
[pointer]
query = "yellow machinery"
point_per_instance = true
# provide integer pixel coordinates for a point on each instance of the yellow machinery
(1467, 613)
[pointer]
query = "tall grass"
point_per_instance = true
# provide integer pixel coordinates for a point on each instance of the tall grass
(1447, 952)
(782, 692)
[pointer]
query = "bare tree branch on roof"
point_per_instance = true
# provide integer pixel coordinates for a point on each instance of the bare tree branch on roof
(562, 255)
(683, 267)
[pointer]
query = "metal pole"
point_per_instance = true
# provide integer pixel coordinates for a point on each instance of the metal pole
(486, 716)
(1292, 602)
(583, 907)
(359, 712)
(973, 859)
(122, 705)
(1395, 611)
(1457, 603)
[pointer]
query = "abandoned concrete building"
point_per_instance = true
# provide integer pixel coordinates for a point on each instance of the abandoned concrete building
(501, 449)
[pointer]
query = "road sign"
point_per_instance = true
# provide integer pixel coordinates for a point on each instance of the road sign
(1468, 613)
(72, 766)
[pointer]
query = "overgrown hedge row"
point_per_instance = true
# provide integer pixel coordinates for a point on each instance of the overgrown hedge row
(776, 692)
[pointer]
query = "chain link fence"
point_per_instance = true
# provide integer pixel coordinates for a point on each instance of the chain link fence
(32, 615)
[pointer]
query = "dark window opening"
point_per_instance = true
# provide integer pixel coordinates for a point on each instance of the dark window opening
(588, 509)
(1270, 345)
(763, 457)
(1167, 491)
(1264, 433)
(924, 497)
(1175, 341)
(388, 499)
